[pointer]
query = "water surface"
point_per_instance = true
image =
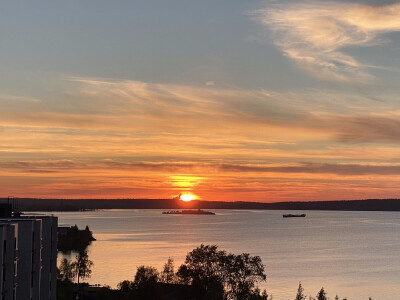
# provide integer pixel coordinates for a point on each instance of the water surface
(352, 254)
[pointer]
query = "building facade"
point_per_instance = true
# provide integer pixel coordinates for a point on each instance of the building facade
(29, 252)
(8, 260)
(48, 279)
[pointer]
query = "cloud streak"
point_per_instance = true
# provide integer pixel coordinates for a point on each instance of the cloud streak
(193, 167)
(192, 118)
(317, 34)
(111, 138)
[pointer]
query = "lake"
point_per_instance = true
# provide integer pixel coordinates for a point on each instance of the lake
(352, 254)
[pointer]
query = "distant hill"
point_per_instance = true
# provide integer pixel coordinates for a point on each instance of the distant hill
(33, 204)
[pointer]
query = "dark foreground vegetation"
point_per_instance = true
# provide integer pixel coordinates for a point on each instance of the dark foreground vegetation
(207, 274)
(74, 239)
(32, 204)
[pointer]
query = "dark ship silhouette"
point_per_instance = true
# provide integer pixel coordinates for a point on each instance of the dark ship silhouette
(294, 216)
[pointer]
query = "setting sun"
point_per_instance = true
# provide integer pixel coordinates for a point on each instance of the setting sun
(187, 197)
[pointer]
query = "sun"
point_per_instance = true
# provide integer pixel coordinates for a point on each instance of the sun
(187, 197)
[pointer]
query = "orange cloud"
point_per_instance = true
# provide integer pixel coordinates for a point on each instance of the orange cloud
(136, 139)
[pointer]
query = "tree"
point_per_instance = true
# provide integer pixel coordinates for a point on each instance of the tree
(257, 295)
(145, 283)
(322, 294)
(183, 275)
(168, 275)
(242, 272)
(83, 265)
(203, 269)
(67, 271)
(145, 276)
(300, 293)
(125, 286)
(216, 274)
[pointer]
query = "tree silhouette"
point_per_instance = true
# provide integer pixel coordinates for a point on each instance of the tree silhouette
(168, 274)
(125, 286)
(203, 269)
(145, 276)
(216, 274)
(242, 272)
(257, 295)
(83, 265)
(145, 283)
(67, 271)
(183, 275)
(300, 293)
(322, 294)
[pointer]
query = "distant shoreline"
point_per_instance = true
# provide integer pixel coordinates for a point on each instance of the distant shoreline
(39, 204)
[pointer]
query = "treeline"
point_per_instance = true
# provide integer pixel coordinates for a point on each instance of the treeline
(206, 274)
(32, 204)
(211, 274)
(321, 295)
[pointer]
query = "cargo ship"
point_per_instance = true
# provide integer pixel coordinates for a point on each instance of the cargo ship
(294, 216)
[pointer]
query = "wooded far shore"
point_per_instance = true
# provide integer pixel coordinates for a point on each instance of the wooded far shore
(40, 204)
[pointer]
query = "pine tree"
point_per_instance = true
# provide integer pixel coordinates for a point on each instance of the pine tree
(300, 293)
(322, 294)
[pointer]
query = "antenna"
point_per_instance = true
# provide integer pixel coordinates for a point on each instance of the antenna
(7, 210)
(13, 202)
(15, 206)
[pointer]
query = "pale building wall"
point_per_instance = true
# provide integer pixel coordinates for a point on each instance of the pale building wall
(35, 259)
(8, 261)
(48, 279)
(29, 260)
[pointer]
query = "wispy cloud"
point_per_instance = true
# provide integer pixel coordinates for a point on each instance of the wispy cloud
(190, 119)
(317, 34)
(315, 168)
(377, 128)
(223, 181)
(9, 98)
(350, 169)
(119, 137)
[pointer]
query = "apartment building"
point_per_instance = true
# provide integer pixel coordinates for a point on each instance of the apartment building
(29, 252)
(8, 260)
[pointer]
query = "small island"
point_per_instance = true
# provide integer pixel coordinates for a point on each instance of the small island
(73, 239)
(188, 212)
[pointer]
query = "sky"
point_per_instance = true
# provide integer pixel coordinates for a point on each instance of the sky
(227, 100)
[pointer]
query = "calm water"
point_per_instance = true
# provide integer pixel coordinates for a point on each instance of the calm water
(352, 254)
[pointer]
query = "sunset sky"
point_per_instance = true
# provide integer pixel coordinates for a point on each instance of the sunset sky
(228, 100)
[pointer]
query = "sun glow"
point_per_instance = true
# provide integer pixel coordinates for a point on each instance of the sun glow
(187, 197)
(185, 181)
